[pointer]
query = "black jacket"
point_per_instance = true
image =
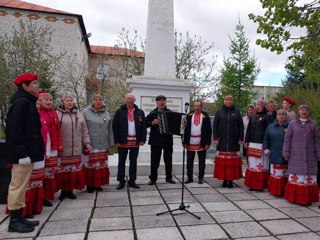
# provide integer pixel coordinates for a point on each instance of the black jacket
(257, 126)
(206, 130)
(228, 129)
(23, 129)
(120, 125)
(156, 138)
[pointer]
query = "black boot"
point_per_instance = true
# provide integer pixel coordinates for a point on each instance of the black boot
(230, 184)
(18, 224)
(47, 203)
(71, 195)
(90, 189)
(63, 195)
(225, 183)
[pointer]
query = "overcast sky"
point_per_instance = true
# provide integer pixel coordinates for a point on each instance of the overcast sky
(213, 20)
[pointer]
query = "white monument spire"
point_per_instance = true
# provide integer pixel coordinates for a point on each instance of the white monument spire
(160, 53)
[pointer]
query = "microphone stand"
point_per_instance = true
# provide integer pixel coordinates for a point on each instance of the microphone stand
(182, 206)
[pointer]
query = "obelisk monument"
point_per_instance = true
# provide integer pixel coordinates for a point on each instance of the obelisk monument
(159, 69)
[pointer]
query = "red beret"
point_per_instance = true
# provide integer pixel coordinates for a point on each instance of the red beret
(289, 100)
(24, 78)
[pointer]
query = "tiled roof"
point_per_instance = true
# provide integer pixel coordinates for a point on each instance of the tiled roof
(28, 6)
(116, 51)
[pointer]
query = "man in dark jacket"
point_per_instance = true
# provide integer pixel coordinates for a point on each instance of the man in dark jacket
(228, 135)
(159, 142)
(129, 131)
(197, 138)
(25, 146)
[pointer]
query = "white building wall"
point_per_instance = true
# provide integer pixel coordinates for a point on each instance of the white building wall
(66, 38)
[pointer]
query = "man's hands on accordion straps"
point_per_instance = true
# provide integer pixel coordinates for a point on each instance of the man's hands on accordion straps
(155, 121)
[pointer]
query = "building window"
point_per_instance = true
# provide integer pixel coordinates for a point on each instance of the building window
(102, 71)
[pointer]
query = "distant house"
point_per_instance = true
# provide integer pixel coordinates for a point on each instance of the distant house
(266, 92)
(69, 35)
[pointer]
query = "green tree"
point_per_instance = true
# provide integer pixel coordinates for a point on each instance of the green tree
(292, 25)
(27, 49)
(239, 71)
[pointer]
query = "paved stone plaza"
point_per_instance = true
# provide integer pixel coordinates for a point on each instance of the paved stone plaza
(131, 214)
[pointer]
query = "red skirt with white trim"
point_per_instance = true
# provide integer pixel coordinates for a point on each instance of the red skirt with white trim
(227, 166)
(70, 175)
(34, 201)
(302, 189)
(49, 183)
(96, 170)
(278, 179)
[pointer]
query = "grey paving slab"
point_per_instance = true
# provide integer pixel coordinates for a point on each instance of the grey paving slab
(153, 221)
(301, 236)
(280, 203)
(245, 229)
(68, 203)
(112, 202)
(107, 212)
(252, 204)
(168, 186)
(240, 196)
(217, 197)
(168, 233)
(287, 226)
(311, 223)
(231, 216)
(64, 227)
(112, 195)
(177, 198)
(75, 236)
(193, 207)
(185, 218)
(259, 238)
(201, 232)
(230, 190)
(143, 187)
(299, 212)
(112, 235)
(220, 206)
(201, 190)
(83, 195)
(266, 214)
(165, 192)
(151, 193)
(264, 195)
(146, 201)
(148, 210)
(103, 224)
(69, 213)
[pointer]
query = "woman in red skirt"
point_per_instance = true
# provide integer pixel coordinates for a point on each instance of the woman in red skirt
(99, 125)
(272, 144)
(75, 137)
(50, 122)
(228, 135)
(301, 148)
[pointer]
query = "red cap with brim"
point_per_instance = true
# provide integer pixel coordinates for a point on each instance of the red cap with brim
(289, 100)
(25, 78)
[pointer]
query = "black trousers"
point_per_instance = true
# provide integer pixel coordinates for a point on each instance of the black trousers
(133, 155)
(202, 163)
(155, 161)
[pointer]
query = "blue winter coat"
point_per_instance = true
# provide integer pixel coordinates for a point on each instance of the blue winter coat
(273, 141)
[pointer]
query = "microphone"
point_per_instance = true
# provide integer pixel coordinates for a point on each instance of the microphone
(186, 107)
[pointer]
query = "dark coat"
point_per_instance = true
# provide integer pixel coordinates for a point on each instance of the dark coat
(120, 125)
(273, 141)
(228, 129)
(23, 129)
(156, 138)
(257, 126)
(206, 130)
(302, 146)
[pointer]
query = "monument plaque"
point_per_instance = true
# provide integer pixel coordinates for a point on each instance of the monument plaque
(148, 103)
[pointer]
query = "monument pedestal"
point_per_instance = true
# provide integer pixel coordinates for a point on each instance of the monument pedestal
(147, 88)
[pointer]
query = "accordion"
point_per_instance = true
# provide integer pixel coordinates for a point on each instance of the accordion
(171, 123)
